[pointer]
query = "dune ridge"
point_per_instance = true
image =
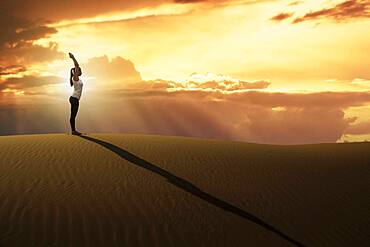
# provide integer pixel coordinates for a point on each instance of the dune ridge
(66, 190)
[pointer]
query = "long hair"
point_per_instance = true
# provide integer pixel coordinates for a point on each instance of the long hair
(72, 73)
(70, 78)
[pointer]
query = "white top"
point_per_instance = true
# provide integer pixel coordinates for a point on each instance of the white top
(77, 88)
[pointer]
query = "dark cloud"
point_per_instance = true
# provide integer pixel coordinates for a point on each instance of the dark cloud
(16, 29)
(26, 53)
(17, 41)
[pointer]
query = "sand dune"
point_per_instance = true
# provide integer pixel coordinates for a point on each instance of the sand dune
(141, 190)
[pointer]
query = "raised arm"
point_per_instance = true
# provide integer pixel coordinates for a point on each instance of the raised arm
(77, 67)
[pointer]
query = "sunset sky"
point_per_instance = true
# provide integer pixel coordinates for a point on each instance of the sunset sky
(266, 71)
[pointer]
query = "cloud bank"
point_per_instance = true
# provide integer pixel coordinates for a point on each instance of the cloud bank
(206, 105)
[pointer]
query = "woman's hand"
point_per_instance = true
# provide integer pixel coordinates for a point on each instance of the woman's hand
(74, 59)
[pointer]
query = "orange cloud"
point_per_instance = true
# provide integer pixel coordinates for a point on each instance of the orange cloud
(55, 10)
(293, 125)
(348, 9)
(197, 114)
(253, 116)
(254, 97)
(264, 117)
(118, 69)
(206, 105)
(12, 69)
(17, 41)
(281, 16)
(29, 82)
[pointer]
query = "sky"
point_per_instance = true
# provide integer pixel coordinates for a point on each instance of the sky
(264, 71)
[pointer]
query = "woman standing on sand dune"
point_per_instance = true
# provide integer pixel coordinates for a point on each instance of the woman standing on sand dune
(74, 100)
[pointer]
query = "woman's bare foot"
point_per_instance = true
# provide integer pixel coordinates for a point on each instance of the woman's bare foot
(75, 132)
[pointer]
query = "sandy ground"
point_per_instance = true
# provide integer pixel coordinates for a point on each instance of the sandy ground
(140, 190)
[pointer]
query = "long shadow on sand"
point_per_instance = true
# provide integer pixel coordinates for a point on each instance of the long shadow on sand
(190, 188)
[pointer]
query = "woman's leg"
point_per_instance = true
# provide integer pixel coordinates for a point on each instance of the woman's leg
(74, 109)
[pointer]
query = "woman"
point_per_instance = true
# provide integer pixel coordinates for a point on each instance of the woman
(77, 84)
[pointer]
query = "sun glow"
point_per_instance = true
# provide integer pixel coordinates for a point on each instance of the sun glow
(13, 91)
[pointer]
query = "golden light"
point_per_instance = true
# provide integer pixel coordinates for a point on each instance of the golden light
(13, 91)
(236, 43)
(166, 9)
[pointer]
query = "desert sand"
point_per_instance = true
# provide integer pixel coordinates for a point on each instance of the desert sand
(142, 190)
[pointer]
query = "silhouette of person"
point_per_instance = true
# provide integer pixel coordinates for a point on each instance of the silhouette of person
(74, 100)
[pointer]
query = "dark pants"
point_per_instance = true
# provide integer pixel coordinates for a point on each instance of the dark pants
(74, 109)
